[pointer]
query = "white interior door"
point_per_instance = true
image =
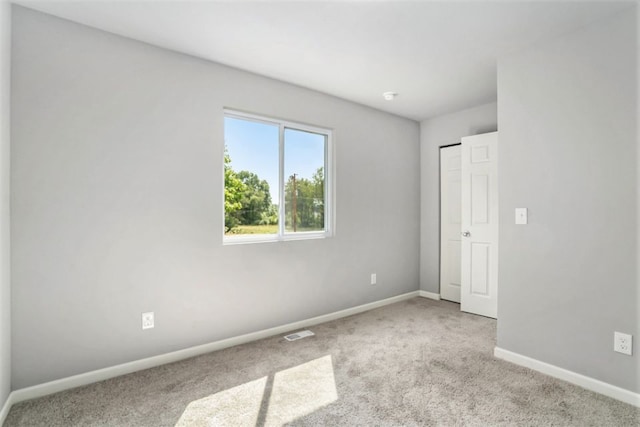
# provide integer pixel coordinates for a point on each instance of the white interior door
(479, 255)
(450, 222)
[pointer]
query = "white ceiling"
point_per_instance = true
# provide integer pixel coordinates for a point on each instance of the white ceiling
(439, 56)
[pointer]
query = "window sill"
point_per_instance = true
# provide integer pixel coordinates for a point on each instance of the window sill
(271, 238)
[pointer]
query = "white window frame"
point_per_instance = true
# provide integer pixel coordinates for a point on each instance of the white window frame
(328, 183)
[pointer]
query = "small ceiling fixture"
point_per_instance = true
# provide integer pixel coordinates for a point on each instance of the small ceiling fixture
(389, 96)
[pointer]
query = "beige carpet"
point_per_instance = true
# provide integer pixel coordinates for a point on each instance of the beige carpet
(414, 363)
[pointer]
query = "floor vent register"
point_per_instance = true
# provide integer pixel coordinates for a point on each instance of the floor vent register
(298, 335)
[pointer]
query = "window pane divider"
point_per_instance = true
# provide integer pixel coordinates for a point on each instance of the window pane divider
(281, 191)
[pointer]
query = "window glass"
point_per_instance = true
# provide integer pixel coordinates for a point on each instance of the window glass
(251, 177)
(275, 179)
(304, 158)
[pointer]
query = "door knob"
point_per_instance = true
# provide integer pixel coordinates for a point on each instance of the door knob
(465, 234)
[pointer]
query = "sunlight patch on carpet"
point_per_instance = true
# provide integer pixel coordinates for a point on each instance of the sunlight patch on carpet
(270, 401)
(238, 406)
(301, 390)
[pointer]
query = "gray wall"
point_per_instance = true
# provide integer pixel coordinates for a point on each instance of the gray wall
(567, 115)
(117, 204)
(435, 133)
(5, 287)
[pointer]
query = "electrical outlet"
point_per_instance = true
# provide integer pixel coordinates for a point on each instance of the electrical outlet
(147, 320)
(374, 278)
(622, 343)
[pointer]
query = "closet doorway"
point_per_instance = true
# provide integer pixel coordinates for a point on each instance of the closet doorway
(469, 224)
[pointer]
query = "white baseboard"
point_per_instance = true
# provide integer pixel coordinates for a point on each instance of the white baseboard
(430, 295)
(583, 381)
(151, 362)
(6, 407)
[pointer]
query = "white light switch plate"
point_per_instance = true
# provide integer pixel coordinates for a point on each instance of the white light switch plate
(521, 216)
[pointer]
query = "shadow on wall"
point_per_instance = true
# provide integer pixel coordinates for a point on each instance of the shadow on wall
(482, 129)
